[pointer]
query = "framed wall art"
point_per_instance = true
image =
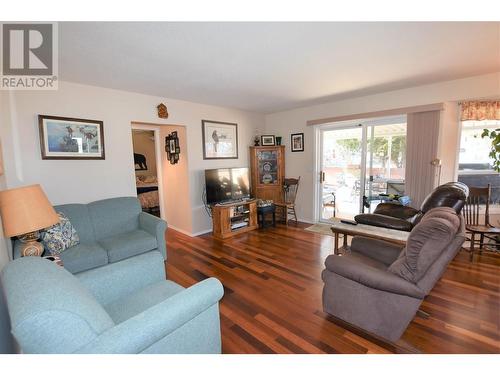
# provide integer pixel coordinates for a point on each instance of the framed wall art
(267, 140)
(172, 147)
(220, 140)
(297, 142)
(66, 138)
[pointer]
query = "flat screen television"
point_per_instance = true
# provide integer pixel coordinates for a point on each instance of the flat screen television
(224, 185)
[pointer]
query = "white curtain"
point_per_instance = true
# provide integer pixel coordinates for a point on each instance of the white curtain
(422, 144)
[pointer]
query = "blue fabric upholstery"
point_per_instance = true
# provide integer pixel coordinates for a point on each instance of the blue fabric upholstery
(83, 257)
(53, 311)
(50, 311)
(127, 277)
(114, 216)
(131, 305)
(110, 230)
(128, 244)
(78, 214)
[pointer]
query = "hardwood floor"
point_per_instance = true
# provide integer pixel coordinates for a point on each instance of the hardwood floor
(272, 300)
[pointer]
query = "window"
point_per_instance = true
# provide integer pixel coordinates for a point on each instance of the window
(473, 156)
(474, 163)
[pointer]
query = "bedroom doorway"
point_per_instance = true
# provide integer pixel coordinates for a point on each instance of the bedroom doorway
(147, 166)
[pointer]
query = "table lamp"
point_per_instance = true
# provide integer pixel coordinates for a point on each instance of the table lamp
(24, 212)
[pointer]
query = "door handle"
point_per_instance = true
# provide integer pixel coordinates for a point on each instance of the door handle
(321, 177)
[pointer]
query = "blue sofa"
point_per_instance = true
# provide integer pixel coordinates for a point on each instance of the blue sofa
(110, 231)
(54, 311)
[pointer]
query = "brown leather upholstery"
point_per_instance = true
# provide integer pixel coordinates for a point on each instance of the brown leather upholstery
(399, 217)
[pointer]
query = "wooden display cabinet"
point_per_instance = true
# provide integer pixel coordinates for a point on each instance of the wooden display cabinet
(226, 218)
(267, 164)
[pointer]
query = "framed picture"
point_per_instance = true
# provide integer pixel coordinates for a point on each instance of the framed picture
(66, 138)
(172, 147)
(267, 140)
(297, 142)
(220, 140)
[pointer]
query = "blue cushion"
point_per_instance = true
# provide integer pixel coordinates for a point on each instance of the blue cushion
(128, 244)
(84, 257)
(114, 216)
(141, 300)
(50, 311)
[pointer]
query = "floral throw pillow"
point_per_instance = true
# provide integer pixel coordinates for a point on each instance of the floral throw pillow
(60, 236)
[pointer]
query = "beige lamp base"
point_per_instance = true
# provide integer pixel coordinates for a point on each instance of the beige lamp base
(32, 248)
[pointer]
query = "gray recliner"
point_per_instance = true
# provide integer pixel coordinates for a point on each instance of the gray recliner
(379, 286)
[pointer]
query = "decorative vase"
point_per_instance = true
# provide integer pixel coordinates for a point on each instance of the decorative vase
(278, 141)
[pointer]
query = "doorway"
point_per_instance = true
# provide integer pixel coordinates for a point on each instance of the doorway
(360, 164)
(147, 165)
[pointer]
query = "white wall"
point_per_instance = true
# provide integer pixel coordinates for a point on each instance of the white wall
(294, 121)
(83, 181)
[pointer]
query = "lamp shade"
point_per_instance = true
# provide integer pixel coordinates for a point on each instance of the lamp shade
(26, 209)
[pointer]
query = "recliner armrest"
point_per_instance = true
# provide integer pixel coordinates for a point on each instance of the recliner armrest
(382, 251)
(156, 227)
(384, 221)
(372, 277)
(143, 330)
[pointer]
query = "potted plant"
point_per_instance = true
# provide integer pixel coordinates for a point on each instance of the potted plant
(494, 135)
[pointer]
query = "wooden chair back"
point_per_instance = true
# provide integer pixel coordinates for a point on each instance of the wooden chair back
(477, 197)
(290, 188)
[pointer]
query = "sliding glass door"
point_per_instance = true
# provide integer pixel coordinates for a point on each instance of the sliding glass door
(361, 165)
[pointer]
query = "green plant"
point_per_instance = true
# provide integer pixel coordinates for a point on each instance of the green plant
(494, 154)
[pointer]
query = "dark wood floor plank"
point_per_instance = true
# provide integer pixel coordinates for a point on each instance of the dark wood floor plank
(272, 301)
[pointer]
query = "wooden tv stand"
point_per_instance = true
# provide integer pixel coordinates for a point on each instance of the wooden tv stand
(227, 217)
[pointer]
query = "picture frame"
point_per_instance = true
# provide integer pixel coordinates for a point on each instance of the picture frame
(297, 142)
(268, 140)
(68, 138)
(220, 140)
(172, 147)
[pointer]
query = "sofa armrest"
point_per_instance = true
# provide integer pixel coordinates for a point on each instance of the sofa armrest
(156, 227)
(372, 277)
(384, 221)
(143, 330)
(382, 251)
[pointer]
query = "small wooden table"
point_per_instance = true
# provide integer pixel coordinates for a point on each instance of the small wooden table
(385, 234)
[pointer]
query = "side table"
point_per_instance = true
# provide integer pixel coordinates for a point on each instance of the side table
(263, 211)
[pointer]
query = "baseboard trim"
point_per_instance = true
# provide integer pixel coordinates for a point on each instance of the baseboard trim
(189, 233)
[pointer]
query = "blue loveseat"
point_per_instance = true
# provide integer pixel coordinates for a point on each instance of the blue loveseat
(110, 231)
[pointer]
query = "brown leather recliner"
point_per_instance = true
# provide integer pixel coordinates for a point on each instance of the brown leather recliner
(399, 217)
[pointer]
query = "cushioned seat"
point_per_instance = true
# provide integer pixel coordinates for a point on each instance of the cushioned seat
(126, 245)
(84, 257)
(131, 305)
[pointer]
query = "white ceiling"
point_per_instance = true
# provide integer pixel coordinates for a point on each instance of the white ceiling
(267, 67)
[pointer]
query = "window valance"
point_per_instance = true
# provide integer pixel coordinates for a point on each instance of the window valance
(480, 110)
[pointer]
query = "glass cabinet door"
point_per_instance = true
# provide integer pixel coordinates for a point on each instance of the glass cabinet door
(267, 167)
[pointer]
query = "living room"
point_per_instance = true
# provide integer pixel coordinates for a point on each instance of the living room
(272, 182)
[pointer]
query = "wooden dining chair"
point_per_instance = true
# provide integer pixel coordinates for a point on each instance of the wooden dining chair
(473, 223)
(287, 206)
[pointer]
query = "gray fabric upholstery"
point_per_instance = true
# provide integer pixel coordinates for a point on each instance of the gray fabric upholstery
(379, 250)
(78, 214)
(426, 243)
(376, 278)
(365, 289)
